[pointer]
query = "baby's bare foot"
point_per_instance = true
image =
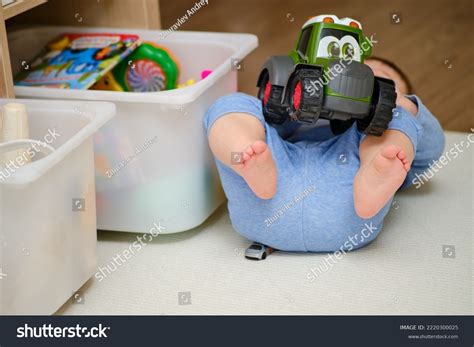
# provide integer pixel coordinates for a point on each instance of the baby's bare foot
(377, 181)
(258, 169)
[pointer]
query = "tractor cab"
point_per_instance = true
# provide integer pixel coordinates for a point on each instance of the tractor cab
(326, 37)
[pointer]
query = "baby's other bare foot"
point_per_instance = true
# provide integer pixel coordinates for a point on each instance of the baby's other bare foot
(258, 169)
(377, 181)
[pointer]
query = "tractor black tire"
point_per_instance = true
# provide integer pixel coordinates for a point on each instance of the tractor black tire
(383, 103)
(271, 97)
(305, 99)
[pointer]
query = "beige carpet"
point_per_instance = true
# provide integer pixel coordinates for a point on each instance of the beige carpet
(403, 272)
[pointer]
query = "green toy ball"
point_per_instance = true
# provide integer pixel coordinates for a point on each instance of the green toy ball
(150, 68)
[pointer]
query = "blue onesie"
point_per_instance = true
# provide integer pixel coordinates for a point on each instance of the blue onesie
(313, 208)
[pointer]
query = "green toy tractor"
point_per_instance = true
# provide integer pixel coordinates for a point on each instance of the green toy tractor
(324, 76)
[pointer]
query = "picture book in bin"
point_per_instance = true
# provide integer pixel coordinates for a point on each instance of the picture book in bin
(77, 61)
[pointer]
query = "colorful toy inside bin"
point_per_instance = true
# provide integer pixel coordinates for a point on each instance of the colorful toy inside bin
(150, 68)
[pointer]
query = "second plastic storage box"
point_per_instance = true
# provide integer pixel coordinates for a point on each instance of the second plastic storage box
(153, 162)
(48, 230)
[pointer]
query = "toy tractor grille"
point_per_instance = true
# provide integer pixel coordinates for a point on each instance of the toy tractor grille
(355, 81)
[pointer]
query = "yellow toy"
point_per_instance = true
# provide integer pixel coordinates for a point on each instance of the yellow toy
(108, 82)
(188, 83)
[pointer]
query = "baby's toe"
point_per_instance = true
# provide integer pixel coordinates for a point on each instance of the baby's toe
(246, 156)
(391, 151)
(402, 155)
(249, 151)
(259, 147)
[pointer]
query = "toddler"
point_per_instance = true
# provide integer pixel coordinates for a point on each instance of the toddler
(300, 188)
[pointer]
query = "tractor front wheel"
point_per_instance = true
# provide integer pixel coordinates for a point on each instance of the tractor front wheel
(383, 103)
(305, 95)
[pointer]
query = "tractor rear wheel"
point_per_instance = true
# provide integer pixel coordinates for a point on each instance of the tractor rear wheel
(271, 96)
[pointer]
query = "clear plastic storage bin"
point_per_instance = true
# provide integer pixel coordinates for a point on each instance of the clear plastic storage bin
(48, 230)
(153, 162)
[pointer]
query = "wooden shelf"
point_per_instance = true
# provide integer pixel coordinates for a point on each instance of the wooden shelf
(20, 6)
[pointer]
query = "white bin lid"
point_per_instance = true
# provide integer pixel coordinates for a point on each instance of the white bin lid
(95, 114)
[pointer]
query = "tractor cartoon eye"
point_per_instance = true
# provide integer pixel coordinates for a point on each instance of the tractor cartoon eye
(348, 51)
(350, 48)
(334, 49)
(329, 47)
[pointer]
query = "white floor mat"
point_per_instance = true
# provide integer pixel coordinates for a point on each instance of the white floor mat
(407, 270)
